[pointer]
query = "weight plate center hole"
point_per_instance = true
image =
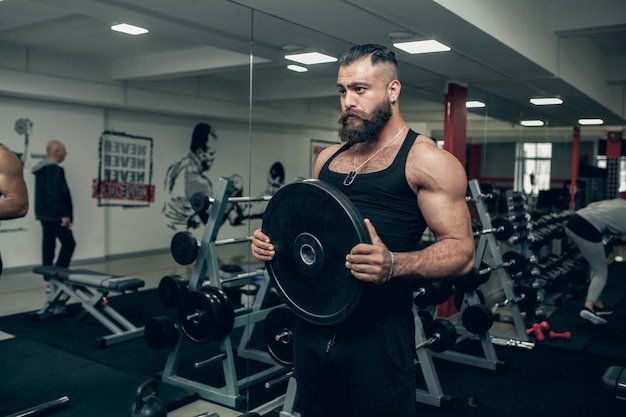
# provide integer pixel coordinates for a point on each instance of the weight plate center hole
(307, 254)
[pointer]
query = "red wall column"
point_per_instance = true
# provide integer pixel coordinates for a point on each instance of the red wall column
(575, 165)
(613, 153)
(455, 121)
(474, 156)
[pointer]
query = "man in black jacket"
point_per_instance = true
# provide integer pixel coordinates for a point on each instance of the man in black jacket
(53, 206)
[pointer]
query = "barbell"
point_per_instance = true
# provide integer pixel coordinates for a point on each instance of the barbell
(184, 246)
(200, 201)
(172, 287)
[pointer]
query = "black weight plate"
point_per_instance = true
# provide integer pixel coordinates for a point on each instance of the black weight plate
(200, 202)
(171, 290)
(160, 333)
(477, 318)
(278, 335)
(198, 315)
(184, 248)
(313, 226)
(446, 333)
(226, 312)
(516, 262)
(504, 228)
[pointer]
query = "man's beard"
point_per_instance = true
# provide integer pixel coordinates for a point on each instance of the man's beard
(372, 124)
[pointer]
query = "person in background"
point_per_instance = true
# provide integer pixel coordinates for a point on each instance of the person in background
(586, 228)
(401, 183)
(13, 192)
(53, 206)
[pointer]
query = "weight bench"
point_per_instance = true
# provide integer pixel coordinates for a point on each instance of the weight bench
(90, 289)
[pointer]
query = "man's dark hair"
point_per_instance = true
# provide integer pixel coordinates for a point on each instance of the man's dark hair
(200, 136)
(378, 54)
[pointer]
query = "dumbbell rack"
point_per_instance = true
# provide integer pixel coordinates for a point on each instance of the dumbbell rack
(488, 340)
(207, 265)
(488, 240)
(433, 394)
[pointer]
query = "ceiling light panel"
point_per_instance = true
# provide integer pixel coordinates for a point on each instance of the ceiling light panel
(297, 68)
(546, 101)
(422, 47)
(590, 122)
(129, 29)
(474, 104)
(529, 123)
(310, 58)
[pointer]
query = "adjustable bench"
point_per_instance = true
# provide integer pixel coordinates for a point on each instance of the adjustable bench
(90, 289)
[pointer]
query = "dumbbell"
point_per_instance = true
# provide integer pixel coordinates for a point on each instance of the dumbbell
(501, 228)
(477, 318)
(512, 262)
(441, 335)
(432, 293)
(538, 329)
(563, 335)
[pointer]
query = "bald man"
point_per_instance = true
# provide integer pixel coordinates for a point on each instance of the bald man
(53, 206)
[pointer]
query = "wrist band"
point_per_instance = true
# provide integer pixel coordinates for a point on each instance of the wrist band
(390, 267)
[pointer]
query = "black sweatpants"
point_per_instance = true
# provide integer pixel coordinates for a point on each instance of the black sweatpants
(51, 232)
(362, 371)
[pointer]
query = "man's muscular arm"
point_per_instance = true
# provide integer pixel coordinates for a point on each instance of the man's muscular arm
(14, 200)
(440, 184)
(441, 188)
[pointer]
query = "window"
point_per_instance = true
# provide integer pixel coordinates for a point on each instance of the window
(532, 170)
(602, 163)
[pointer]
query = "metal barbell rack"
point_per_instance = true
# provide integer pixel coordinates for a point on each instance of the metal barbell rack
(206, 264)
(486, 241)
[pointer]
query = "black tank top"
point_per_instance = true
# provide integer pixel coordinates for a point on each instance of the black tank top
(386, 198)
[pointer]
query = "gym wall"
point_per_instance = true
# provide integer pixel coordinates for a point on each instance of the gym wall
(103, 230)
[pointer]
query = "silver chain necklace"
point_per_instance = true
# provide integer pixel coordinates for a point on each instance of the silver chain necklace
(352, 174)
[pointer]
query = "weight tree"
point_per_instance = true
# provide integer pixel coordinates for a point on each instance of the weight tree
(194, 320)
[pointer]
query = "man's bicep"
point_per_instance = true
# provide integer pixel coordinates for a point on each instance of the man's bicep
(446, 215)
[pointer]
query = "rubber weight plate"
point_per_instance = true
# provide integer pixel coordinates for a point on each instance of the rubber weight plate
(184, 248)
(313, 226)
(171, 290)
(205, 315)
(278, 335)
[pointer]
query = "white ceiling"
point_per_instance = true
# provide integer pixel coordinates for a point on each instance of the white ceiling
(505, 52)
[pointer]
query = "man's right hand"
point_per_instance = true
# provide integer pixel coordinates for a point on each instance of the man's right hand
(261, 247)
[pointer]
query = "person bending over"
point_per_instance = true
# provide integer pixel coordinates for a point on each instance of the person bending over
(586, 229)
(401, 183)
